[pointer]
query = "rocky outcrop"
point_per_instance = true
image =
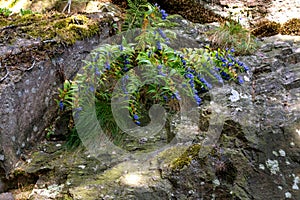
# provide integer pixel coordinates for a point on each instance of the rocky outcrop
(31, 71)
(249, 12)
(255, 157)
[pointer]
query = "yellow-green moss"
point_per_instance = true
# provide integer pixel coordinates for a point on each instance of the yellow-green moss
(186, 158)
(60, 27)
(291, 27)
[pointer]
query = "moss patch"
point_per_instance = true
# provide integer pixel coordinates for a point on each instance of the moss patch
(186, 158)
(55, 26)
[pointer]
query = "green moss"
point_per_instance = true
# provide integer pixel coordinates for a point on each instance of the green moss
(186, 158)
(291, 27)
(60, 27)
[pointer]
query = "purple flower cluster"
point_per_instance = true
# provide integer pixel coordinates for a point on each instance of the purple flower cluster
(164, 15)
(107, 65)
(176, 95)
(136, 119)
(230, 66)
(61, 105)
(159, 67)
(163, 35)
(126, 62)
(207, 84)
(216, 75)
(77, 111)
(240, 80)
(183, 60)
(121, 47)
(189, 75)
(97, 72)
(158, 46)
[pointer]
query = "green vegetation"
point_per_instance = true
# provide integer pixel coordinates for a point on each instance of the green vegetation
(186, 158)
(4, 11)
(147, 69)
(26, 12)
(231, 34)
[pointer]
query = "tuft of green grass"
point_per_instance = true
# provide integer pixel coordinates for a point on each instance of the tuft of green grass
(232, 34)
(4, 11)
(73, 140)
(107, 121)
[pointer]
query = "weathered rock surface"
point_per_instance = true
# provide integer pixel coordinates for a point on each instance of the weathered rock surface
(30, 73)
(256, 156)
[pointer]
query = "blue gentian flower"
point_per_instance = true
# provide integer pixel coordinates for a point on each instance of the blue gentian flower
(61, 105)
(92, 89)
(137, 122)
(192, 84)
(162, 74)
(121, 47)
(135, 117)
(77, 111)
(176, 95)
(190, 76)
(240, 63)
(217, 69)
(217, 55)
(97, 72)
(246, 68)
(232, 50)
(207, 84)
(240, 80)
(165, 98)
(231, 57)
(161, 33)
(125, 68)
(164, 15)
(167, 41)
(158, 45)
(107, 65)
(215, 74)
(198, 99)
(223, 60)
(126, 62)
(225, 75)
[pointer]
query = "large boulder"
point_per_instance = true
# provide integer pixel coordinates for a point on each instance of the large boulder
(35, 60)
